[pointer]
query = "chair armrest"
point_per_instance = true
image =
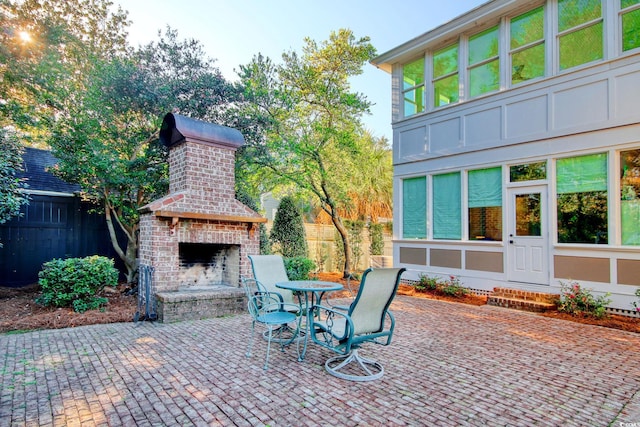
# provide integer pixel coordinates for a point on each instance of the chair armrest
(331, 328)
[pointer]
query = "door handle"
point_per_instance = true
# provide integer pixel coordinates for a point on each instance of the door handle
(511, 242)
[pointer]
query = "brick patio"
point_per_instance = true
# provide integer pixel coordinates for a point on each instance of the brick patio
(449, 365)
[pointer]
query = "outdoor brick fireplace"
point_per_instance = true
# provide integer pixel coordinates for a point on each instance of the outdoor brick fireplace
(195, 240)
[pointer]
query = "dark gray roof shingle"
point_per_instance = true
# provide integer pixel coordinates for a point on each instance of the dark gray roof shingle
(36, 163)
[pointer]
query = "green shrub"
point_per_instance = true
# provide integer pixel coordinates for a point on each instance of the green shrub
(427, 283)
(299, 268)
(376, 238)
(636, 305)
(451, 287)
(75, 282)
(577, 300)
(287, 234)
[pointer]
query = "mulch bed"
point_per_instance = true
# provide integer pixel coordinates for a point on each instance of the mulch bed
(19, 312)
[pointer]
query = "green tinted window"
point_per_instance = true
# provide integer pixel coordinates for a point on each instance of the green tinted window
(484, 78)
(484, 66)
(627, 3)
(527, 46)
(483, 46)
(630, 196)
(572, 13)
(446, 91)
(413, 87)
(414, 101)
(581, 41)
(582, 199)
(527, 28)
(631, 30)
(413, 74)
(445, 61)
(580, 47)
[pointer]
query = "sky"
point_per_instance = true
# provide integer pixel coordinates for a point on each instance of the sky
(234, 31)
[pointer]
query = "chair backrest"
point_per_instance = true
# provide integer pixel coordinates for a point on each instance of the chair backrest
(377, 289)
(251, 286)
(269, 270)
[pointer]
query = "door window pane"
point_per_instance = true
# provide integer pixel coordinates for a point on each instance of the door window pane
(630, 196)
(528, 172)
(447, 205)
(414, 208)
(528, 221)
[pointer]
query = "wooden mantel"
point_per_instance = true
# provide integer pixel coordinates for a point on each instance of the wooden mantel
(175, 216)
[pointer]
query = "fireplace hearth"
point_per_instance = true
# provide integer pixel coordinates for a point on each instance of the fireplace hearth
(197, 238)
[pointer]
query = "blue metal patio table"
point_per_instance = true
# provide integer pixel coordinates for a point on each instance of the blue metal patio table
(309, 293)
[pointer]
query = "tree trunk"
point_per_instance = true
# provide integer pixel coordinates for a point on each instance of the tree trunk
(345, 245)
(127, 256)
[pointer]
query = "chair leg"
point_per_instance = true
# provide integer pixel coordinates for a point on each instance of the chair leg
(266, 362)
(253, 329)
(337, 366)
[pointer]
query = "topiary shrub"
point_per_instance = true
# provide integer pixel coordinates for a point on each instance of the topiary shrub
(287, 234)
(75, 282)
(299, 268)
(376, 238)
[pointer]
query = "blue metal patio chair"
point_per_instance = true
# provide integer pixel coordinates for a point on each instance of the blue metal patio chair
(268, 309)
(364, 322)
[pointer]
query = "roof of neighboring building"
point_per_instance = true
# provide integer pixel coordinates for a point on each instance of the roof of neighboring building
(36, 164)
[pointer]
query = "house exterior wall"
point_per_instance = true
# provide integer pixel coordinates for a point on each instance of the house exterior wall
(577, 112)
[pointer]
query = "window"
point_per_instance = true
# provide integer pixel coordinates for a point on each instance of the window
(485, 204)
(582, 199)
(580, 34)
(414, 208)
(445, 76)
(484, 64)
(528, 172)
(447, 206)
(630, 24)
(630, 196)
(527, 49)
(413, 87)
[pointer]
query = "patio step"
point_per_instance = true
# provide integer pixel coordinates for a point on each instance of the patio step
(522, 300)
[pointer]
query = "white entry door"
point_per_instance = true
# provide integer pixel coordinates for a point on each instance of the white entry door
(527, 243)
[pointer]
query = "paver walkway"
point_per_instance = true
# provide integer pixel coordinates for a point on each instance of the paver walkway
(449, 365)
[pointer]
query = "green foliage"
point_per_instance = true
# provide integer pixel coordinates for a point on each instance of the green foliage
(579, 301)
(299, 268)
(107, 140)
(450, 287)
(288, 234)
(306, 120)
(636, 305)
(376, 238)
(11, 196)
(76, 282)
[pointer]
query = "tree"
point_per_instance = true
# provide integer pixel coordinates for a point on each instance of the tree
(45, 48)
(11, 196)
(309, 120)
(107, 141)
(288, 234)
